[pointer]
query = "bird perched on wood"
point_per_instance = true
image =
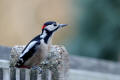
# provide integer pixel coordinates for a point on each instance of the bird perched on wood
(37, 49)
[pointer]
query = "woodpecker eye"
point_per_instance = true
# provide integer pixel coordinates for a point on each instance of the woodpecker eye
(55, 24)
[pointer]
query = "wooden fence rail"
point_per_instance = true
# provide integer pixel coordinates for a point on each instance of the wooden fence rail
(55, 66)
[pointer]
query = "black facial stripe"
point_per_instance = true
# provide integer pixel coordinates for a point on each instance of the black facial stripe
(49, 33)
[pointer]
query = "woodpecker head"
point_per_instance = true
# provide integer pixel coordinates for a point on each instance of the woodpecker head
(52, 26)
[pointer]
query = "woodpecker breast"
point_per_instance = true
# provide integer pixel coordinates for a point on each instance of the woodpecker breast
(38, 56)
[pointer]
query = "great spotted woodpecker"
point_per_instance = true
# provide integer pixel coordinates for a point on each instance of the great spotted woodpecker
(37, 49)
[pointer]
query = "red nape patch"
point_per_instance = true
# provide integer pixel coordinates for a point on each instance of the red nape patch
(43, 26)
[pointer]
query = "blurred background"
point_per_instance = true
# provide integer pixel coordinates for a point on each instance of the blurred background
(93, 31)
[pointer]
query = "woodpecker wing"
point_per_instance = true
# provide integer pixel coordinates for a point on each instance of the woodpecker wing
(30, 48)
(28, 51)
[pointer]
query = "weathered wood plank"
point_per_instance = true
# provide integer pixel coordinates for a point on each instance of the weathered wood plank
(57, 74)
(17, 74)
(22, 74)
(91, 75)
(1, 74)
(92, 64)
(4, 63)
(6, 74)
(33, 75)
(12, 73)
(45, 74)
(27, 74)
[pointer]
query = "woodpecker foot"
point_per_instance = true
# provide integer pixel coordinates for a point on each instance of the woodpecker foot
(37, 68)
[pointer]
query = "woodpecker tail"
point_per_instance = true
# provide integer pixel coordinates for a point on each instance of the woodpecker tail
(20, 64)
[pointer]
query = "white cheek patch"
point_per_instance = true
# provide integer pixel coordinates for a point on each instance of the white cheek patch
(51, 27)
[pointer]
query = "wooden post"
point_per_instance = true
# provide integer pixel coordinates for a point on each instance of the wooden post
(1, 72)
(55, 65)
(6, 75)
(60, 72)
(33, 75)
(22, 74)
(12, 73)
(4, 70)
(45, 74)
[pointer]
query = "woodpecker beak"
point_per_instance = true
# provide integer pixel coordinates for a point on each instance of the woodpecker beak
(62, 25)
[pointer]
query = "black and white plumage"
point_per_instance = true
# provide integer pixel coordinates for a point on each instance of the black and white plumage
(37, 49)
